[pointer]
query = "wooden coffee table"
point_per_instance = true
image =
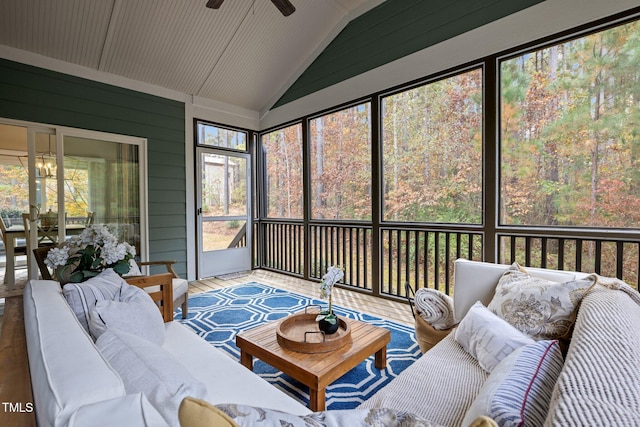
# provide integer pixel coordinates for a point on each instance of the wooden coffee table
(315, 370)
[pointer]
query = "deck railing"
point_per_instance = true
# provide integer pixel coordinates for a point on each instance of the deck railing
(240, 239)
(424, 256)
(613, 257)
(283, 246)
(349, 246)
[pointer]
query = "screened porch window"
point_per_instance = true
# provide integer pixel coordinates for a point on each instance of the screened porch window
(283, 169)
(570, 152)
(340, 145)
(216, 136)
(432, 151)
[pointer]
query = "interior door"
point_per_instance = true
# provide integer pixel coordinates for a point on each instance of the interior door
(224, 213)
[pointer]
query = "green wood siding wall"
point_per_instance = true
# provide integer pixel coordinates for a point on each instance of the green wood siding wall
(394, 29)
(37, 95)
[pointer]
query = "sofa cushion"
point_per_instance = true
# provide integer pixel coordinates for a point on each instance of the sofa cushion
(487, 337)
(67, 370)
(131, 410)
(135, 313)
(83, 296)
(540, 308)
(146, 368)
(519, 389)
(226, 379)
(438, 387)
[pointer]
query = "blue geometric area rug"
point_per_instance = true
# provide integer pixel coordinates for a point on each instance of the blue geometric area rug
(219, 315)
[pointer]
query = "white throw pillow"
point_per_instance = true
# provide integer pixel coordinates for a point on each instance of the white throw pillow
(138, 318)
(83, 296)
(147, 368)
(519, 389)
(487, 337)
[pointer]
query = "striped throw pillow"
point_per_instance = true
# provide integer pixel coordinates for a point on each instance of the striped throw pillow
(82, 297)
(518, 391)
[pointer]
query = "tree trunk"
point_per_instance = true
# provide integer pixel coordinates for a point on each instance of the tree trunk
(319, 203)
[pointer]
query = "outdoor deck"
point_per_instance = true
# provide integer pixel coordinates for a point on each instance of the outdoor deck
(380, 307)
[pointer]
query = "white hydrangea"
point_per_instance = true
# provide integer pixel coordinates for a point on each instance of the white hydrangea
(113, 253)
(56, 257)
(107, 249)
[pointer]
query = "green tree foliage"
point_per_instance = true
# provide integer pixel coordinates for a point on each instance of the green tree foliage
(570, 117)
(14, 190)
(432, 152)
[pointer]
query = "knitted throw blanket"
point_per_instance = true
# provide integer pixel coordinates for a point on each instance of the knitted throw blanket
(618, 285)
(435, 307)
(600, 382)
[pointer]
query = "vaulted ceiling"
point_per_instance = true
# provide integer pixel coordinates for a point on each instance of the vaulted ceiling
(246, 53)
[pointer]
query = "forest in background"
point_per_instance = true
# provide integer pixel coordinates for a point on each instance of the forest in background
(568, 155)
(569, 145)
(570, 133)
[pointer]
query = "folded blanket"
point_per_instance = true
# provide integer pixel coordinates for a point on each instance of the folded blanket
(435, 307)
(617, 285)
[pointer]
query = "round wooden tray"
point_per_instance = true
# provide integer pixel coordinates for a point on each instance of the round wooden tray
(300, 332)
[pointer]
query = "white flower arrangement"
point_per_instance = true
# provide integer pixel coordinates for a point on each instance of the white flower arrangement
(87, 254)
(334, 275)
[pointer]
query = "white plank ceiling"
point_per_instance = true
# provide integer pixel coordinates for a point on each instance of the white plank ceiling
(245, 53)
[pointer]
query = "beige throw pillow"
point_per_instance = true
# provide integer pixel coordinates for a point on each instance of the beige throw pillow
(541, 309)
(200, 413)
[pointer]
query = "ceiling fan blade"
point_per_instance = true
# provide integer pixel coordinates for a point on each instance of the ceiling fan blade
(284, 6)
(214, 4)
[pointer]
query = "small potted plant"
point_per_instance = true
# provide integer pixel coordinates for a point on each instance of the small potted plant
(327, 320)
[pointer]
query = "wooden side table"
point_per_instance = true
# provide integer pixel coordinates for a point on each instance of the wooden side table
(315, 370)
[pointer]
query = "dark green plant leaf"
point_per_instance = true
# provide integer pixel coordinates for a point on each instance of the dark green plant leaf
(121, 267)
(76, 277)
(331, 319)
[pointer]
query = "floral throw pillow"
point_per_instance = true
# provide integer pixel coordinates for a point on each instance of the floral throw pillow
(541, 309)
(250, 416)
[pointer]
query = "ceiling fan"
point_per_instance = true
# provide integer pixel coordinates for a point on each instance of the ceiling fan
(284, 6)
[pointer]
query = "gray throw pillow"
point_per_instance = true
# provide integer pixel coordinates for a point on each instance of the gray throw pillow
(135, 313)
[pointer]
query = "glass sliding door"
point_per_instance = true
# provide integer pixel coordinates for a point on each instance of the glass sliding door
(14, 198)
(102, 177)
(67, 179)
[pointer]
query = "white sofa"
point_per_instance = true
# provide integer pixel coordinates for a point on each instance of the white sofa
(599, 383)
(73, 385)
